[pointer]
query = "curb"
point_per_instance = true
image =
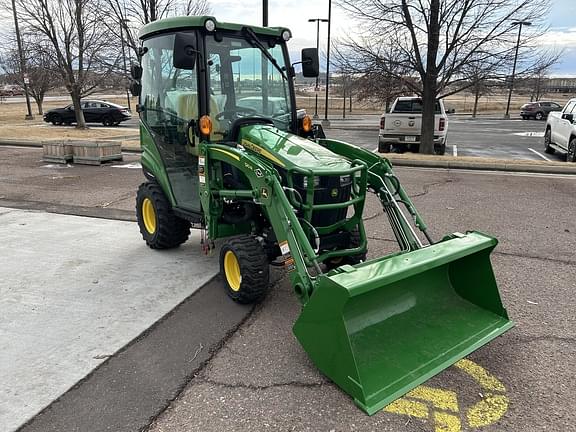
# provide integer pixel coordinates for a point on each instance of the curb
(479, 165)
(36, 144)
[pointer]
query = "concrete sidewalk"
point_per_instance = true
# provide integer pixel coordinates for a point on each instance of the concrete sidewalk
(74, 291)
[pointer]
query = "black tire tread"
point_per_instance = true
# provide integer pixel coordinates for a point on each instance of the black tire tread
(254, 269)
(547, 148)
(384, 147)
(571, 156)
(171, 231)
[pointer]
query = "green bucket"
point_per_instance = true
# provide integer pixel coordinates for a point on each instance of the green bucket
(383, 327)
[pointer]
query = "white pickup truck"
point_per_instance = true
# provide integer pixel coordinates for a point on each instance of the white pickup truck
(561, 131)
(400, 127)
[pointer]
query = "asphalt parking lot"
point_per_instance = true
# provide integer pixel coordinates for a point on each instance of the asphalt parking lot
(484, 136)
(258, 378)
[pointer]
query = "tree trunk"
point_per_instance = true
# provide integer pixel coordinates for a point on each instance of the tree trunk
(430, 81)
(476, 98)
(428, 114)
(80, 122)
(39, 101)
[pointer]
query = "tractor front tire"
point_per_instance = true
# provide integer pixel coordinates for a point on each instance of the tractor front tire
(159, 226)
(244, 265)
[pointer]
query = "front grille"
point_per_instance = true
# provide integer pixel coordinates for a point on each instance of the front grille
(331, 189)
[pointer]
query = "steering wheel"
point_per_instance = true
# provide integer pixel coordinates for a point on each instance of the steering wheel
(231, 114)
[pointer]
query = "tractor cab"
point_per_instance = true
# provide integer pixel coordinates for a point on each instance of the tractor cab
(201, 80)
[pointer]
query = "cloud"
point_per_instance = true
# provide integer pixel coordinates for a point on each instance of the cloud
(559, 37)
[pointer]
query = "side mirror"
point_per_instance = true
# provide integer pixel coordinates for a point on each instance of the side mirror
(135, 88)
(136, 71)
(451, 111)
(185, 51)
(310, 63)
(569, 117)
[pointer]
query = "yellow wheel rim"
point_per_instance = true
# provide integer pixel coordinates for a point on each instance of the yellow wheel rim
(149, 215)
(232, 271)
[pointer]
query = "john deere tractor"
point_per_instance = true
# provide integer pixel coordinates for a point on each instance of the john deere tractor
(225, 150)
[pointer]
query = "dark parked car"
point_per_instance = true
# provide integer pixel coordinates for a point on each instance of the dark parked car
(538, 110)
(95, 111)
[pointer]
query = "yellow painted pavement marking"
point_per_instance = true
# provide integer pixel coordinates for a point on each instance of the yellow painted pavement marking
(487, 411)
(439, 398)
(481, 375)
(408, 407)
(444, 422)
(444, 403)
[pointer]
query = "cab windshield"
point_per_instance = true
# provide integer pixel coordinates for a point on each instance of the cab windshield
(244, 82)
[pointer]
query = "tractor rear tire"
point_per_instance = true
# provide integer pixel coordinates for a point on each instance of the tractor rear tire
(159, 226)
(244, 265)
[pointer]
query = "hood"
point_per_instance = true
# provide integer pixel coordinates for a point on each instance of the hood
(288, 150)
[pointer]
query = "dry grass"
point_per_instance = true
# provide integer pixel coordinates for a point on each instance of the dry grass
(14, 126)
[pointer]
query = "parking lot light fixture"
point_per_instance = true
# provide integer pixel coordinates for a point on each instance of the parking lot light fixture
(519, 24)
(124, 22)
(326, 122)
(23, 76)
(317, 21)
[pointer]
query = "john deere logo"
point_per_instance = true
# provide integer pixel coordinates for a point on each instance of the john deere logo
(334, 193)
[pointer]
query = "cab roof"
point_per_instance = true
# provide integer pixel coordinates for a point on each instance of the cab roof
(190, 22)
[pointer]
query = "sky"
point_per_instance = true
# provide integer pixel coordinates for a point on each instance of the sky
(294, 14)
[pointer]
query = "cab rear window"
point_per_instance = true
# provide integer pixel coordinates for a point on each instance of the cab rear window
(413, 106)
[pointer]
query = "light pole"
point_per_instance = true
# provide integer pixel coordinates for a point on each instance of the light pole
(326, 122)
(23, 77)
(122, 23)
(317, 21)
(519, 24)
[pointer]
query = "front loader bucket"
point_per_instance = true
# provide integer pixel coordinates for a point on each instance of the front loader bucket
(383, 327)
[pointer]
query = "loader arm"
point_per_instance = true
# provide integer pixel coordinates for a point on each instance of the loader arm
(383, 182)
(266, 191)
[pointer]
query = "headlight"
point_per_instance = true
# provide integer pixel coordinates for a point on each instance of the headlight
(210, 25)
(316, 182)
(344, 180)
(286, 35)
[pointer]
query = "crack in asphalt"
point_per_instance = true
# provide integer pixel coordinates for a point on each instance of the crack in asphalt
(427, 186)
(549, 338)
(126, 196)
(297, 384)
(554, 260)
(381, 239)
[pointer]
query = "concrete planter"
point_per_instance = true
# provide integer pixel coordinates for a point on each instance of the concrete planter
(96, 152)
(57, 151)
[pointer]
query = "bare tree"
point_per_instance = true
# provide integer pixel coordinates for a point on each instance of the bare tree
(378, 77)
(438, 38)
(39, 71)
(537, 73)
(130, 15)
(71, 33)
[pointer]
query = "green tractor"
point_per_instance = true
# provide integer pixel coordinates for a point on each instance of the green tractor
(224, 149)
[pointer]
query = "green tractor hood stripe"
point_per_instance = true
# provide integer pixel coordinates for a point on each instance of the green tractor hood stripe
(291, 151)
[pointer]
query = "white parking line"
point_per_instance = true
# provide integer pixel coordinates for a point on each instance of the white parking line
(539, 154)
(454, 150)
